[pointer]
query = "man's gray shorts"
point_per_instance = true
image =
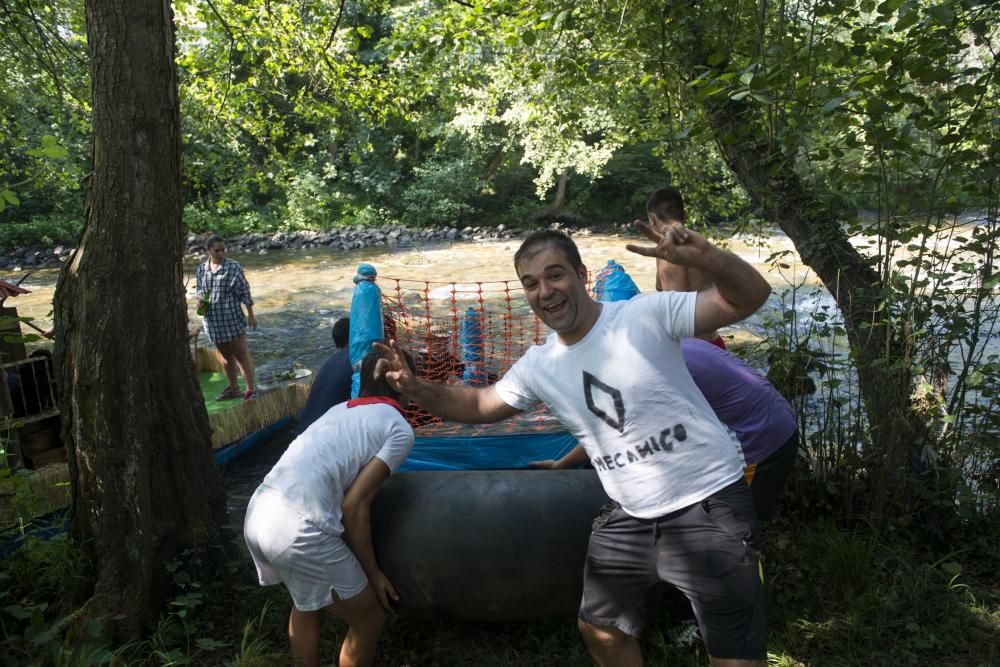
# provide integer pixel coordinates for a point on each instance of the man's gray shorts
(706, 550)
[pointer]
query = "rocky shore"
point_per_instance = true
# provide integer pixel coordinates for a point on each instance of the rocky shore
(348, 238)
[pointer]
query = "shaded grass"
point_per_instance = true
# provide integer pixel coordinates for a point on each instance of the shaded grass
(840, 597)
(835, 596)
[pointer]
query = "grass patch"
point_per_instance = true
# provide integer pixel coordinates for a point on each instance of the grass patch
(845, 597)
(835, 596)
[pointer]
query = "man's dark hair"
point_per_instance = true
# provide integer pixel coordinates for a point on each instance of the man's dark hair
(212, 240)
(342, 332)
(372, 386)
(537, 241)
(666, 204)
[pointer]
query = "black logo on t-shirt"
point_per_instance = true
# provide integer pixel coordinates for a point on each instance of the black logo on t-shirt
(589, 384)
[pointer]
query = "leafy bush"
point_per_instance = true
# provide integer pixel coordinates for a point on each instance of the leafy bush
(311, 204)
(368, 216)
(43, 230)
(620, 194)
(442, 194)
(202, 221)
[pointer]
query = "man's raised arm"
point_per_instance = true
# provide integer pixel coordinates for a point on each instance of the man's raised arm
(469, 405)
(739, 289)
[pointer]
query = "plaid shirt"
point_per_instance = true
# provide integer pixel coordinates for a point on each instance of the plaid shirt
(228, 288)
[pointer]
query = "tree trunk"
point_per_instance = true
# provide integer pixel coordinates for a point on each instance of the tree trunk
(144, 480)
(880, 354)
(768, 176)
(495, 163)
(561, 190)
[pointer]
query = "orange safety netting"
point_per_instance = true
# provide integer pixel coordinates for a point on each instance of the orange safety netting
(427, 319)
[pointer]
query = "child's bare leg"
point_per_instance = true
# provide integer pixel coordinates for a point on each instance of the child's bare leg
(365, 618)
(303, 635)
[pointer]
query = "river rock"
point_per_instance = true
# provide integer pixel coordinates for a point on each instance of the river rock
(346, 239)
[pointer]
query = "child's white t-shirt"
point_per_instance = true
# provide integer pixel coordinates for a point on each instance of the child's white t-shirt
(320, 465)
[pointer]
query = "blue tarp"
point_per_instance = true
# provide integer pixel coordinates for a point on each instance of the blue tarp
(613, 283)
(366, 320)
(487, 452)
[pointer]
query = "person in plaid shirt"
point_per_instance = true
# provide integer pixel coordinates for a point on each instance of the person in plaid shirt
(224, 289)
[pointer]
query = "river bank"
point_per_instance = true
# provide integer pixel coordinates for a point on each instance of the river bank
(24, 258)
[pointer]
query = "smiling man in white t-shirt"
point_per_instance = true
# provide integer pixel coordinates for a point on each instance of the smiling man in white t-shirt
(613, 373)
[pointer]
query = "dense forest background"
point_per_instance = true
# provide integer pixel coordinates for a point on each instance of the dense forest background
(866, 131)
(313, 114)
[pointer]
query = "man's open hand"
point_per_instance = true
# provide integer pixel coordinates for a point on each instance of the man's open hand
(393, 367)
(674, 243)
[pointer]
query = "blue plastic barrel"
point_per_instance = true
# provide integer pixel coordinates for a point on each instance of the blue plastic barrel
(613, 283)
(471, 342)
(366, 320)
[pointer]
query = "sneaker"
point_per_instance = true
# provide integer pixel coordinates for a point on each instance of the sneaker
(685, 633)
(250, 395)
(229, 393)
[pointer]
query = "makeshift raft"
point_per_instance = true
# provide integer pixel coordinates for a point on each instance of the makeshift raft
(466, 530)
(486, 545)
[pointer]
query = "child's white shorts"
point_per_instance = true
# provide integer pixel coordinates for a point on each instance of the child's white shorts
(288, 548)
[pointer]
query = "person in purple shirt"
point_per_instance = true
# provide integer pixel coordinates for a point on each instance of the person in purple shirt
(748, 404)
(751, 407)
(333, 382)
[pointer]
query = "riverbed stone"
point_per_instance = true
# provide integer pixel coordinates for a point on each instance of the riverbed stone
(346, 239)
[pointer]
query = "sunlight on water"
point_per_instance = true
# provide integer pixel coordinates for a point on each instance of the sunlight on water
(300, 293)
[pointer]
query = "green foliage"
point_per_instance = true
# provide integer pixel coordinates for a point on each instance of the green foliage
(42, 102)
(442, 194)
(619, 195)
(201, 221)
(51, 570)
(40, 583)
(255, 646)
(846, 597)
(309, 203)
(42, 230)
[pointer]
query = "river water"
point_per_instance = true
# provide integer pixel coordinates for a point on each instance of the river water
(298, 294)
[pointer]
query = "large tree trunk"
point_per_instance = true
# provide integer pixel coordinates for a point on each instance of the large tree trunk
(144, 481)
(768, 176)
(880, 355)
